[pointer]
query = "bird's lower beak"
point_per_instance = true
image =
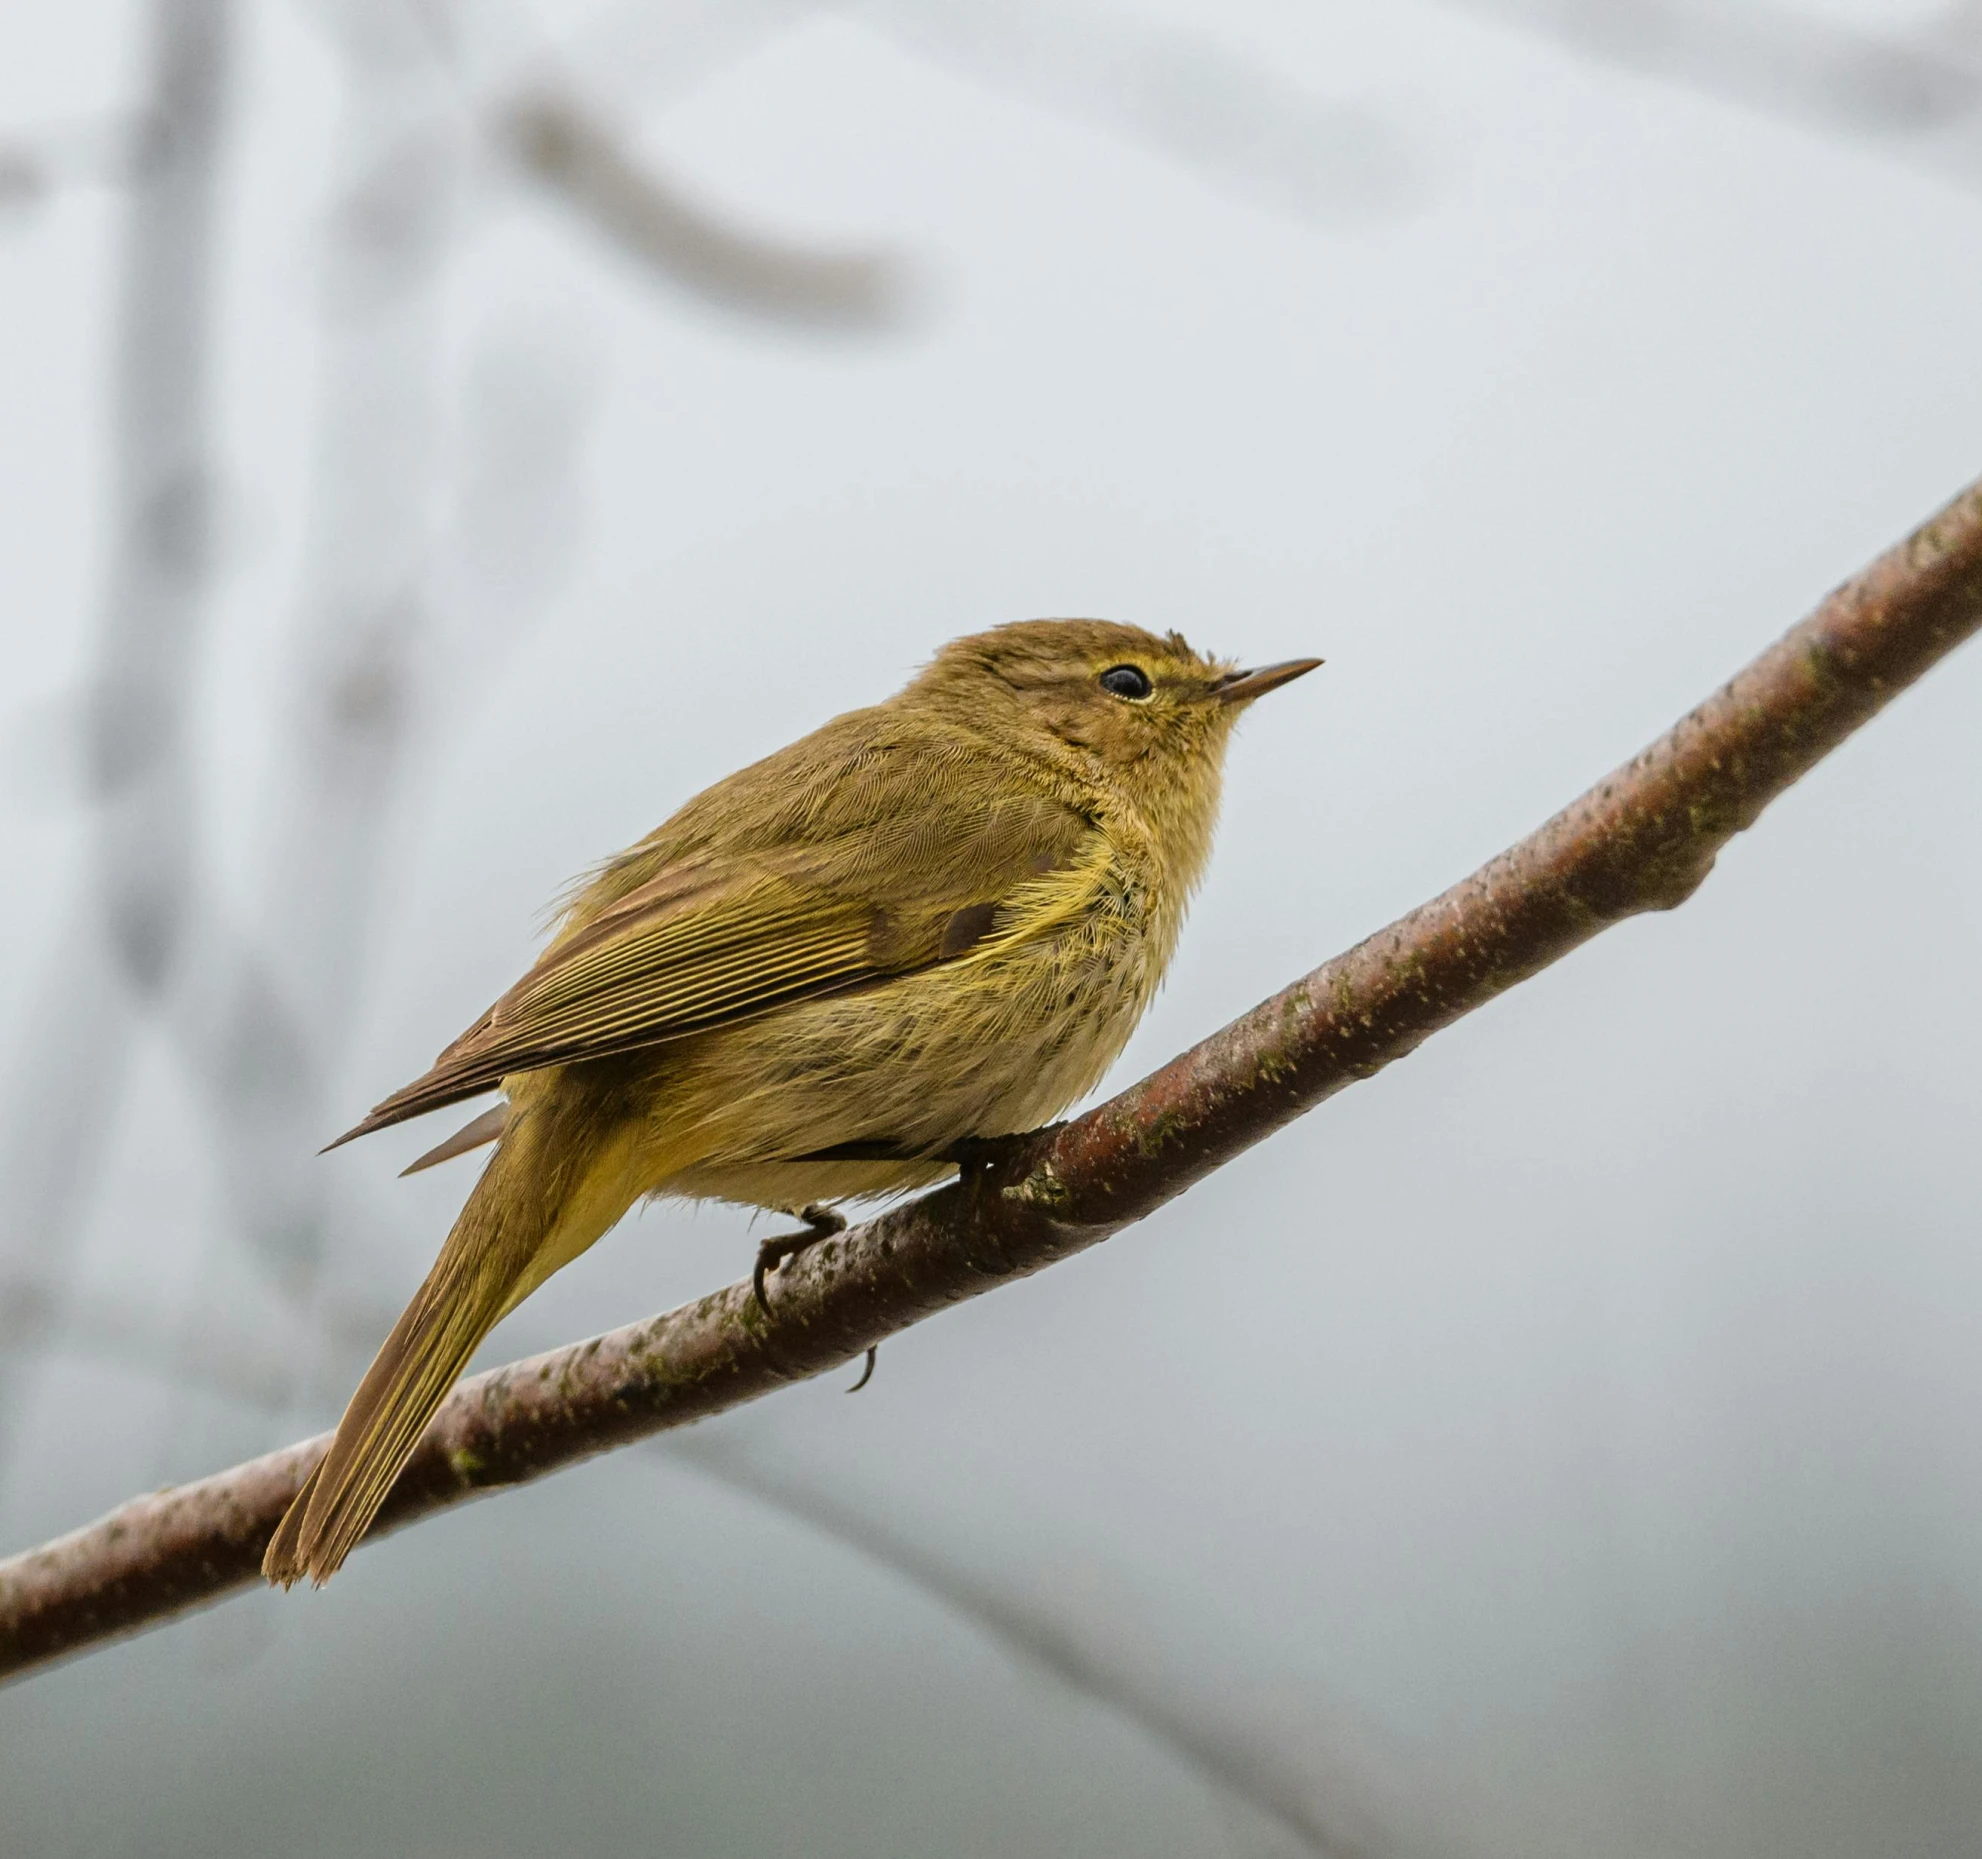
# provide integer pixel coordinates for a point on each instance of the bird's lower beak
(1243, 686)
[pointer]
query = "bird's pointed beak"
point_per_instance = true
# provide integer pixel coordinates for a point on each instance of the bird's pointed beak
(1243, 686)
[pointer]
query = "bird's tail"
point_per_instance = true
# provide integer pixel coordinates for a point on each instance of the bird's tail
(539, 1204)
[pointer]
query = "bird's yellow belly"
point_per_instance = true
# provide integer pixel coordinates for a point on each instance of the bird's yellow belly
(971, 1049)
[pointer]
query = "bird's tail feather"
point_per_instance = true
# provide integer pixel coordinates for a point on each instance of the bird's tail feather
(510, 1237)
(409, 1378)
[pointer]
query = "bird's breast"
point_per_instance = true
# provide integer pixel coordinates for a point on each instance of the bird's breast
(811, 1102)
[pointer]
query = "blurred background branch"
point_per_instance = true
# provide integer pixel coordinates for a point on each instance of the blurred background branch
(1230, 119)
(572, 152)
(1917, 92)
(138, 899)
(1346, 1798)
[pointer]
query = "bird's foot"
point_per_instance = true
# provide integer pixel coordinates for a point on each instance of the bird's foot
(978, 1157)
(820, 1223)
(867, 1373)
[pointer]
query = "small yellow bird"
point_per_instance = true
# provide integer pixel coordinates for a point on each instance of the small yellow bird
(935, 920)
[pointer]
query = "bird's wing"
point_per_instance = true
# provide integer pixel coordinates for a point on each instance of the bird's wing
(728, 934)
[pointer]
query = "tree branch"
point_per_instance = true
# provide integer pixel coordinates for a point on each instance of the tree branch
(1641, 839)
(572, 151)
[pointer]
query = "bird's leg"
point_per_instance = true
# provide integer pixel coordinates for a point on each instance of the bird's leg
(820, 1223)
(977, 1159)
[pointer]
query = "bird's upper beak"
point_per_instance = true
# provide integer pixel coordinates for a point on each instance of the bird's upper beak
(1241, 687)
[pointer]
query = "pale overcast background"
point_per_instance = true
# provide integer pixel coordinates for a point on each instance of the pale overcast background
(1569, 1443)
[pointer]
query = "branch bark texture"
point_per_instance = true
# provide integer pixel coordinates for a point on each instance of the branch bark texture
(1642, 839)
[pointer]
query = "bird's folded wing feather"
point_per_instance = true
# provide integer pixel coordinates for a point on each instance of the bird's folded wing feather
(728, 932)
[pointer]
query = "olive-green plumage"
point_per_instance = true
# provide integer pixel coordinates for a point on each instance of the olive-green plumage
(929, 921)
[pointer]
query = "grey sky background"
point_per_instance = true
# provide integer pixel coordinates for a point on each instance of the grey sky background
(1566, 1442)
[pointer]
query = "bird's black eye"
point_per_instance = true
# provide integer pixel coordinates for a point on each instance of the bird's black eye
(1126, 681)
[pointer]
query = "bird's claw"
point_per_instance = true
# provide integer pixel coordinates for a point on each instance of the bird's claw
(820, 1223)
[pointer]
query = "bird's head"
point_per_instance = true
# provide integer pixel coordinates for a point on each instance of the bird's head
(1142, 718)
(1147, 707)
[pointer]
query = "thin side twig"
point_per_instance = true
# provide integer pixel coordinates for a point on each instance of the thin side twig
(1641, 839)
(571, 150)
